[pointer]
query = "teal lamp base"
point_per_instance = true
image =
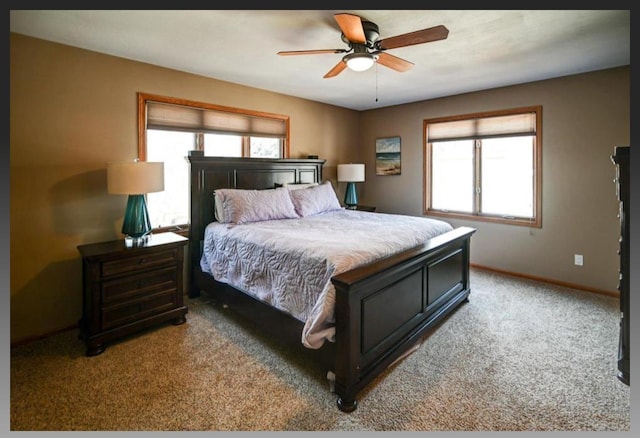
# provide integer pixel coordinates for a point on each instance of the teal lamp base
(136, 223)
(350, 196)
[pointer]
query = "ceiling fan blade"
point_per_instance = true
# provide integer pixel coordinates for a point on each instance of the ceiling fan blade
(310, 52)
(393, 62)
(336, 70)
(351, 27)
(418, 37)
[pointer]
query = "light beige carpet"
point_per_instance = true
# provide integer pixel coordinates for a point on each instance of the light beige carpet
(520, 355)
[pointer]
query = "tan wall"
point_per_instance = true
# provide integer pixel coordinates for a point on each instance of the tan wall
(73, 110)
(584, 117)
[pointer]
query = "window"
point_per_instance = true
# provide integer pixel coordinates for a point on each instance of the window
(485, 166)
(169, 128)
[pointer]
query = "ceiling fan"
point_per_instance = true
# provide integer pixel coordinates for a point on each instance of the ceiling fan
(366, 47)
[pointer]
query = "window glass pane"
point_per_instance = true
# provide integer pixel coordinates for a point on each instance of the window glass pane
(222, 145)
(507, 176)
(265, 147)
(452, 176)
(171, 206)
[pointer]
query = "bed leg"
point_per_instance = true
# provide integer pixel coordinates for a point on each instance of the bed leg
(350, 404)
(347, 405)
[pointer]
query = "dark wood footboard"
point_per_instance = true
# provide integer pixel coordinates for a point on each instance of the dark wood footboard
(383, 309)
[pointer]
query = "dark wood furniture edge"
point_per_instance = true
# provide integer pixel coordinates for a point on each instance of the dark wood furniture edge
(621, 158)
(427, 282)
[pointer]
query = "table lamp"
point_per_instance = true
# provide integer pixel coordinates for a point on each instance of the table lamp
(136, 179)
(351, 174)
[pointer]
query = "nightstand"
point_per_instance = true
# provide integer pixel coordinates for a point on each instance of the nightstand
(365, 208)
(129, 288)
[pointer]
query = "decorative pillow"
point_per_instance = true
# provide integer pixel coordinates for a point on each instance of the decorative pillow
(243, 206)
(296, 186)
(315, 200)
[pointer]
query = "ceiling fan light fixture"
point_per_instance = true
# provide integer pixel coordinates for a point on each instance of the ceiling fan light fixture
(360, 61)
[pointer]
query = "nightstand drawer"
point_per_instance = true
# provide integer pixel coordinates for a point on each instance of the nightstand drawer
(147, 283)
(138, 262)
(132, 311)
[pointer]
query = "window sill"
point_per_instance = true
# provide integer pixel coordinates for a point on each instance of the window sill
(182, 230)
(531, 223)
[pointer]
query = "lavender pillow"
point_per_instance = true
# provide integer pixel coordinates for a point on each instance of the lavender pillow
(244, 206)
(315, 200)
(298, 186)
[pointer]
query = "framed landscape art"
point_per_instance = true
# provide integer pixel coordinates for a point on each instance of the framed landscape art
(388, 156)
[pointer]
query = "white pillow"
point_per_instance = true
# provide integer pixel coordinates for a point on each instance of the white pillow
(243, 206)
(315, 200)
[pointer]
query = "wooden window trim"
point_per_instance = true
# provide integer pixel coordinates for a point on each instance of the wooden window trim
(536, 221)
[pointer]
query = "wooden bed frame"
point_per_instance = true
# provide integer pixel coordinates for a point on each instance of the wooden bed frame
(382, 309)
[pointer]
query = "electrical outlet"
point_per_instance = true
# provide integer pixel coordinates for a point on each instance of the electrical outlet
(578, 259)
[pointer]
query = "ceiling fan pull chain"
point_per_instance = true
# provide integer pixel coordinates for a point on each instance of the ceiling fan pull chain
(376, 82)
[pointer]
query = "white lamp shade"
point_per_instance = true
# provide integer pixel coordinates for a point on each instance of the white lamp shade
(135, 177)
(350, 172)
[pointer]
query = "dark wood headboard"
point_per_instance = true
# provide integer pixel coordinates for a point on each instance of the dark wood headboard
(211, 173)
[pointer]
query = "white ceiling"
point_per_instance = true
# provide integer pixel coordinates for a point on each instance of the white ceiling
(485, 48)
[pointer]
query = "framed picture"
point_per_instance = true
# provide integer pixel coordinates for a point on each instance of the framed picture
(388, 156)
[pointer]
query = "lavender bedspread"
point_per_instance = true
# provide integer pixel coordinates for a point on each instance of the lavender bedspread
(289, 263)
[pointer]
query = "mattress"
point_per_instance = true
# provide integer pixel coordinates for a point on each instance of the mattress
(289, 263)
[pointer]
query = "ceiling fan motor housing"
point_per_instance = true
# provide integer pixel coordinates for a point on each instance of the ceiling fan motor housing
(371, 33)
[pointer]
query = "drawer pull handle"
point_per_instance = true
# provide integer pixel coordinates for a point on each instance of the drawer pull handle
(141, 261)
